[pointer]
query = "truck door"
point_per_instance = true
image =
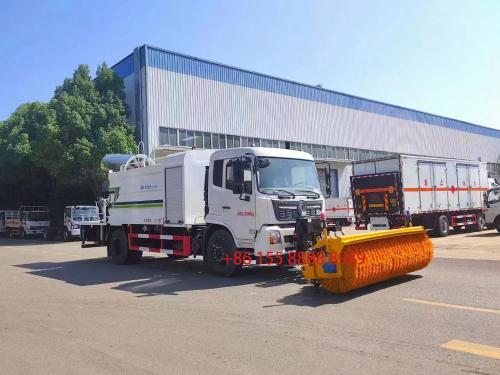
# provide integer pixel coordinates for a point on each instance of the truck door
(426, 191)
(238, 208)
(475, 192)
(440, 185)
(463, 186)
(67, 218)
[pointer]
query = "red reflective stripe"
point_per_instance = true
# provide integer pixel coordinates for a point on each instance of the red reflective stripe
(337, 209)
(411, 189)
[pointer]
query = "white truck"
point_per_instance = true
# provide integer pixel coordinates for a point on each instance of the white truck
(435, 193)
(339, 207)
(75, 216)
(28, 221)
(492, 214)
(208, 202)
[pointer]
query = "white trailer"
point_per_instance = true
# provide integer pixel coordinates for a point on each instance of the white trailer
(76, 216)
(436, 193)
(27, 221)
(492, 214)
(339, 207)
(207, 202)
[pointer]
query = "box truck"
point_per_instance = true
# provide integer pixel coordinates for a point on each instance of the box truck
(403, 190)
(27, 221)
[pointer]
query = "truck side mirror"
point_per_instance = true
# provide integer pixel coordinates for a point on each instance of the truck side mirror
(328, 180)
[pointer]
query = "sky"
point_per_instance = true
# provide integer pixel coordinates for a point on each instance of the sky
(439, 56)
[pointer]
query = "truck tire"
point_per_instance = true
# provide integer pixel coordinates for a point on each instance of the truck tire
(219, 253)
(66, 236)
(22, 234)
(118, 249)
(481, 223)
(497, 224)
(442, 228)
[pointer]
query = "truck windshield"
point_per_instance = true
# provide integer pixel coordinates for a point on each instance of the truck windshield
(295, 176)
(85, 213)
(38, 216)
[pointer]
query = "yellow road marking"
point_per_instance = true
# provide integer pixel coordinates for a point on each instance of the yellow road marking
(472, 348)
(460, 307)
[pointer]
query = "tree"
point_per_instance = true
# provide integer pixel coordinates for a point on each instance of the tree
(56, 148)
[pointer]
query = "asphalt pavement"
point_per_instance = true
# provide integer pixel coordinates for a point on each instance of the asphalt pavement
(68, 310)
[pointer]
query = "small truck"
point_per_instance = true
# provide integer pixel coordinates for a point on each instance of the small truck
(27, 221)
(492, 214)
(208, 202)
(407, 190)
(75, 216)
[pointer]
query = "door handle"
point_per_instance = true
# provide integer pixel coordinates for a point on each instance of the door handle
(226, 207)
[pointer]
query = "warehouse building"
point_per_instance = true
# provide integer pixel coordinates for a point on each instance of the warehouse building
(178, 101)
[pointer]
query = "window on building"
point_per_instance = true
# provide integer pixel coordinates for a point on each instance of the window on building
(222, 141)
(198, 140)
(190, 139)
(236, 141)
(182, 138)
(168, 136)
(172, 137)
(217, 174)
(215, 141)
(163, 136)
(230, 142)
(207, 140)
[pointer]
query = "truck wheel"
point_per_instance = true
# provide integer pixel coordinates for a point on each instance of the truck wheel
(118, 249)
(442, 226)
(22, 234)
(497, 224)
(66, 236)
(479, 226)
(220, 253)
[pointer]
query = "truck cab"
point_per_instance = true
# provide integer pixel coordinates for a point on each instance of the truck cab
(75, 216)
(257, 194)
(492, 212)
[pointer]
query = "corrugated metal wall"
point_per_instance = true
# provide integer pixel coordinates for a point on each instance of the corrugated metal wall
(188, 93)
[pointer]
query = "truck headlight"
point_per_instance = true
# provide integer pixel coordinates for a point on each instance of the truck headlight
(274, 237)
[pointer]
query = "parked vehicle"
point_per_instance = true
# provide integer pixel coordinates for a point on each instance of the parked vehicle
(202, 201)
(75, 216)
(3, 228)
(492, 214)
(28, 221)
(404, 190)
(339, 208)
(238, 206)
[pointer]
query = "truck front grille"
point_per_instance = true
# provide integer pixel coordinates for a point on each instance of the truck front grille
(287, 211)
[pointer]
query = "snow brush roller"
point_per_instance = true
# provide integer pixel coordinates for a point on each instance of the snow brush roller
(343, 263)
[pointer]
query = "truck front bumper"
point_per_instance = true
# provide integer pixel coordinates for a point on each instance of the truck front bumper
(75, 232)
(263, 243)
